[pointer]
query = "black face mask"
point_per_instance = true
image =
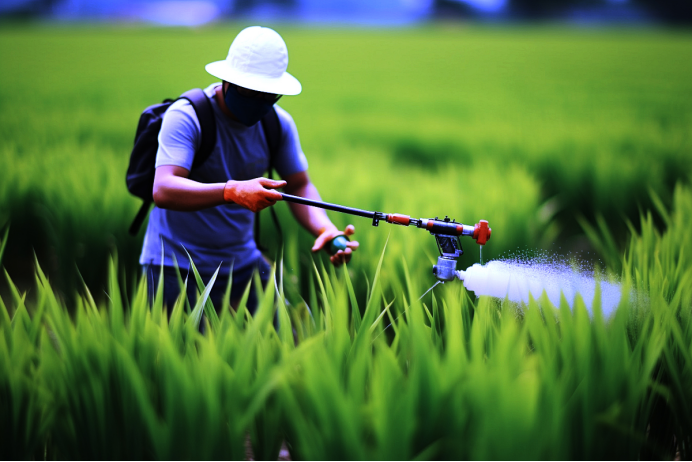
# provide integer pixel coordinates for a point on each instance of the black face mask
(246, 109)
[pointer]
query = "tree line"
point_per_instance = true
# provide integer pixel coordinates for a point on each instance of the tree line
(668, 11)
(673, 12)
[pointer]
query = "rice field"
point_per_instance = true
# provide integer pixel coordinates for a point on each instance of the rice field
(565, 140)
(343, 377)
(529, 128)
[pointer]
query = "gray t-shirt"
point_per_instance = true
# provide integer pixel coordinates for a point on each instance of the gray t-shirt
(220, 235)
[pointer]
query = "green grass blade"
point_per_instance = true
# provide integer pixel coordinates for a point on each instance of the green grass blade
(3, 242)
(208, 306)
(196, 315)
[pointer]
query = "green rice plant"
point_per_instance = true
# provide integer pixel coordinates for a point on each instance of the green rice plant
(133, 384)
(347, 373)
(557, 386)
(252, 347)
(659, 263)
(3, 243)
(25, 417)
(452, 378)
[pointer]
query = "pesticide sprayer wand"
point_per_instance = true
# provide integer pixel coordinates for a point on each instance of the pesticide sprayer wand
(337, 208)
(446, 232)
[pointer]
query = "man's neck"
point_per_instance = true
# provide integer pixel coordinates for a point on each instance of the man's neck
(222, 103)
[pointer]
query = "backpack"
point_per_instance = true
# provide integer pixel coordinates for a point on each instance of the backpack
(141, 169)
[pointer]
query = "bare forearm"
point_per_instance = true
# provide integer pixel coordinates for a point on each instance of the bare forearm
(183, 194)
(313, 219)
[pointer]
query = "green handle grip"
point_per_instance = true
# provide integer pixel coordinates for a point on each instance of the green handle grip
(338, 243)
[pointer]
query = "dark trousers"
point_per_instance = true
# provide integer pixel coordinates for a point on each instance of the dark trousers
(171, 288)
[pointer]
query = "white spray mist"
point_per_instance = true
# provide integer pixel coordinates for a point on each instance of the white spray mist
(516, 280)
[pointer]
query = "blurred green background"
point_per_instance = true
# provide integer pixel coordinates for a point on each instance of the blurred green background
(534, 128)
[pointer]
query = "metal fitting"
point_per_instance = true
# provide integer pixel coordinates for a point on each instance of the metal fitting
(445, 270)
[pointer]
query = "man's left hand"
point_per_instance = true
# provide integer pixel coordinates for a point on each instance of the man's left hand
(326, 236)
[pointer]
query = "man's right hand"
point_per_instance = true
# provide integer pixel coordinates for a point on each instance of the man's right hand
(252, 194)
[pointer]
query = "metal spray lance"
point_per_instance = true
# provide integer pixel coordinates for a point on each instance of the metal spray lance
(446, 232)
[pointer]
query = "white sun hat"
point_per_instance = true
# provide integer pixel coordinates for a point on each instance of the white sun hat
(257, 60)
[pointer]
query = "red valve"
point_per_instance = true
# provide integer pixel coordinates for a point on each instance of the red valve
(481, 232)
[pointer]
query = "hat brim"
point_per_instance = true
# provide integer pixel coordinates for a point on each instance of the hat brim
(286, 84)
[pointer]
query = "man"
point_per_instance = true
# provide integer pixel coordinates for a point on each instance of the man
(209, 211)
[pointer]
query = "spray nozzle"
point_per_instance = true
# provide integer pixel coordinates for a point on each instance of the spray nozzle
(481, 232)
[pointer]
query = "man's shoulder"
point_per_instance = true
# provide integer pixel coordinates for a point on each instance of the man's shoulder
(182, 105)
(181, 114)
(282, 113)
(286, 120)
(180, 118)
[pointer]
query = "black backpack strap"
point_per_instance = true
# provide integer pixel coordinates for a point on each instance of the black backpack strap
(272, 132)
(139, 218)
(207, 122)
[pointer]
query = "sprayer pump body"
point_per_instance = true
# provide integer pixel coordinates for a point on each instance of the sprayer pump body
(450, 251)
(447, 233)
